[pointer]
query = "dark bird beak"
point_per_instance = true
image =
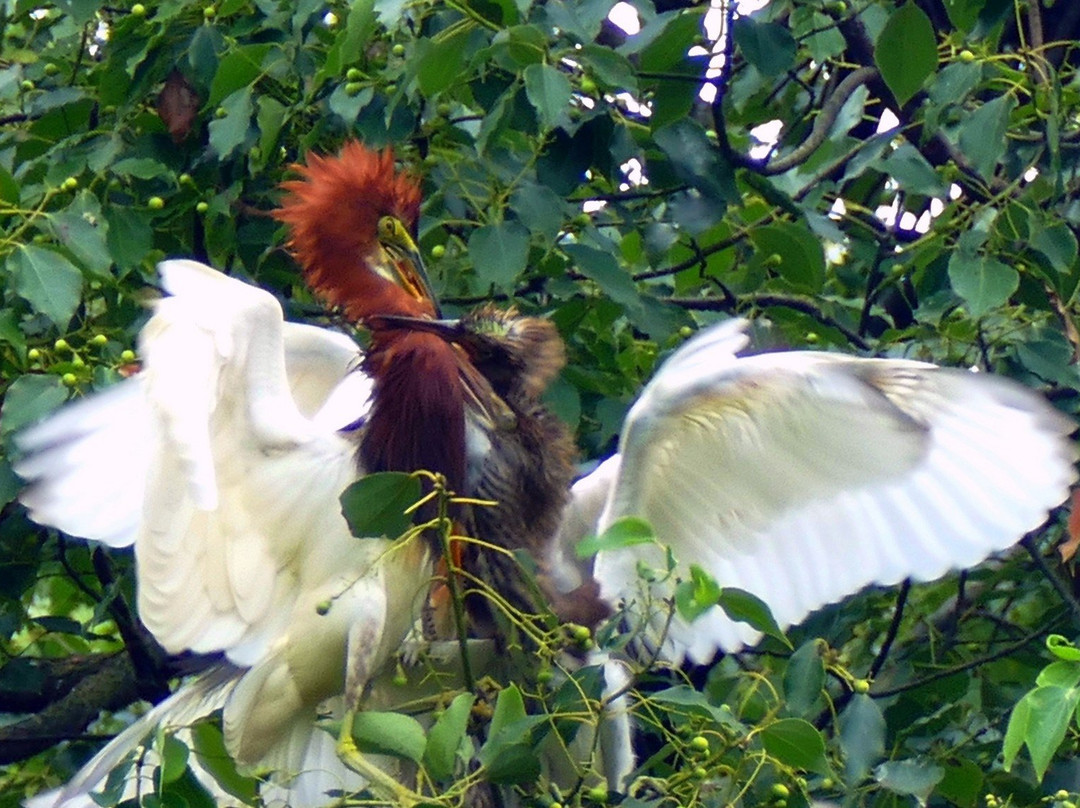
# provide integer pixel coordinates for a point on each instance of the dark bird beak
(449, 330)
(408, 265)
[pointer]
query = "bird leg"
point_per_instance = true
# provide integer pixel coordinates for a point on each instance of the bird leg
(381, 784)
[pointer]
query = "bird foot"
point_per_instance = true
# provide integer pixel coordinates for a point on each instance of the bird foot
(382, 786)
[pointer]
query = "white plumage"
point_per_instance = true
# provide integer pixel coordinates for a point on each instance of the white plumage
(800, 477)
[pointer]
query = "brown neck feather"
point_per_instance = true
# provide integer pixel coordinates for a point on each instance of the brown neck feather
(419, 418)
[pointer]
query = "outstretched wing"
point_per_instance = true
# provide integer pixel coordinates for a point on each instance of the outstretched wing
(220, 461)
(802, 477)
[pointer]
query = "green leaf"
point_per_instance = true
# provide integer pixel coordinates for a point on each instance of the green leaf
(438, 61)
(47, 281)
(862, 736)
(499, 253)
(614, 70)
(375, 505)
(684, 699)
(209, 747)
(548, 90)
(30, 398)
(1059, 674)
(748, 608)
(539, 208)
(1061, 648)
(626, 531)
(696, 161)
(445, 736)
(800, 257)
(983, 283)
(129, 236)
(236, 71)
(695, 597)
(768, 46)
(915, 777)
(270, 118)
(174, 758)
(906, 51)
(804, 678)
(1057, 244)
(796, 743)
(962, 783)
(509, 754)
(912, 171)
(9, 483)
(389, 734)
(229, 133)
(9, 188)
(982, 134)
(1039, 721)
(83, 229)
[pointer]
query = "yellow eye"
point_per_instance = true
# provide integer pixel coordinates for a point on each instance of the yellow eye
(387, 227)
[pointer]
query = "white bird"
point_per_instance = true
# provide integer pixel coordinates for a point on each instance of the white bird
(800, 477)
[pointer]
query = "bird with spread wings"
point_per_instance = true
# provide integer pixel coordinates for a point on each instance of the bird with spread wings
(799, 477)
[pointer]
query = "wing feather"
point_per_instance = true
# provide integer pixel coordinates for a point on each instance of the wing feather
(802, 477)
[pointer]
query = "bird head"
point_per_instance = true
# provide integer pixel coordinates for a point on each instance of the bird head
(349, 219)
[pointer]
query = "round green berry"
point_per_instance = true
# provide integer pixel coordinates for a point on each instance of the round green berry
(155, 203)
(398, 50)
(33, 354)
(322, 608)
(127, 356)
(185, 179)
(99, 340)
(209, 13)
(353, 88)
(51, 69)
(69, 380)
(202, 207)
(70, 184)
(438, 251)
(138, 10)
(391, 88)
(26, 85)
(860, 686)
(699, 743)
(597, 794)
(780, 791)
(61, 345)
(966, 56)
(352, 74)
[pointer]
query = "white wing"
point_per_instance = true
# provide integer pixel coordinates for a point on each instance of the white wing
(802, 477)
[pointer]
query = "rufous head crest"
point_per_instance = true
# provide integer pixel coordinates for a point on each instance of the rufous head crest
(333, 213)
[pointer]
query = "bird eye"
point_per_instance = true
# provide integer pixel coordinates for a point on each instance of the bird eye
(386, 227)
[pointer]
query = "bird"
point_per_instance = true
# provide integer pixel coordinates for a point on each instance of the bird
(798, 476)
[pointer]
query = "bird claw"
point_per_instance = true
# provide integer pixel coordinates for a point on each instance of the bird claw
(382, 786)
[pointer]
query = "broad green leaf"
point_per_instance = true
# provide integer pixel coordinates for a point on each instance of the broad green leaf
(549, 91)
(1039, 721)
(375, 505)
(270, 118)
(445, 736)
(962, 782)
(10, 331)
(982, 134)
(1058, 244)
(862, 736)
(47, 281)
(746, 607)
(209, 747)
(439, 60)
(1061, 648)
(612, 69)
(1059, 674)
(626, 531)
(509, 755)
(393, 734)
(796, 743)
(915, 777)
(83, 229)
(129, 236)
(539, 208)
(30, 398)
(800, 258)
(9, 188)
(499, 253)
(684, 699)
(143, 168)
(983, 283)
(906, 51)
(695, 597)
(912, 171)
(236, 70)
(229, 133)
(804, 678)
(696, 161)
(174, 758)
(768, 46)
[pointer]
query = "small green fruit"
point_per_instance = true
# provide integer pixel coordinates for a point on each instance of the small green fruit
(69, 380)
(155, 203)
(398, 50)
(699, 743)
(352, 74)
(391, 88)
(438, 251)
(686, 332)
(780, 791)
(209, 13)
(70, 184)
(966, 56)
(220, 113)
(860, 686)
(597, 794)
(138, 10)
(322, 608)
(61, 345)
(186, 179)
(51, 69)
(202, 207)
(353, 88)
(444, 109)
(33, 354)
(127, 356)
(545, 675)
(26, 85)
(700, 773)
(99, 340)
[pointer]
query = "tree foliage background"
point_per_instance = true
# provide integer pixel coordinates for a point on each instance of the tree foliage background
(577, 170)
